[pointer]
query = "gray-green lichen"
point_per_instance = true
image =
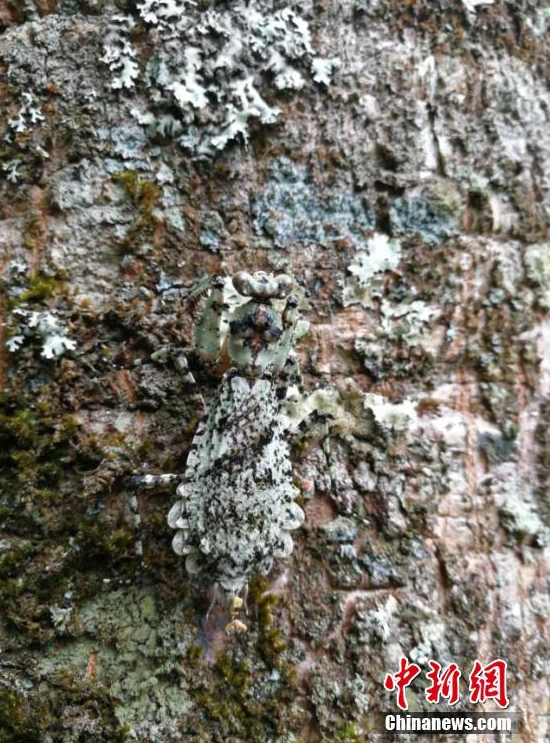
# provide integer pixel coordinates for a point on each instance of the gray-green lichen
(125, 643)
(390, 416)
(518, 510)
(537, 259)
(433, 221)
(294, 210)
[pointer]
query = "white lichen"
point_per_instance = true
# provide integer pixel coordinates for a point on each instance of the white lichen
(119, 55)
(61, 617)
(297, 407)
(43, 326)
(432, 644)
(382, 254)
(28, 115)
(519, 513)
(391, 416)
(322, 69)
(11, 168)
(166, 14)
(537, 261)
(410, 317)
(18, 267)
(206, 72)
(379, 624)
(15, 342)
(472, 5)
(382, 618)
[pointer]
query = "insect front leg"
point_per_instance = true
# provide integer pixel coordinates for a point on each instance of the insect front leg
(290, 318)
(148, 482)
(208, 333)
(289, 378)
(179, 359)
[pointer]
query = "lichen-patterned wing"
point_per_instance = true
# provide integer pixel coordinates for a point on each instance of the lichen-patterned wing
(236, 505)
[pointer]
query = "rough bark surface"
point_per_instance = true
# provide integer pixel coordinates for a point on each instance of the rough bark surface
(410, 199)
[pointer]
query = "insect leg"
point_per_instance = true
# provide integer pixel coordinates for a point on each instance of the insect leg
(136, 484)
(289, 377)
(138, 529)
(179, 359)
(208, 333)
(245, 599)
(290, 318)
(214, 599)
(190, 385)
(147, 482)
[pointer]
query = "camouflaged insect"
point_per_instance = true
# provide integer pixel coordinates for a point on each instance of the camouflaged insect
(235, 507)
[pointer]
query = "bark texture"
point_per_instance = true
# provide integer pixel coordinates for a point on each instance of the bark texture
(407, 191)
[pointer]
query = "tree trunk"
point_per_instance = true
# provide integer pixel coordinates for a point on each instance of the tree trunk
(393, 158)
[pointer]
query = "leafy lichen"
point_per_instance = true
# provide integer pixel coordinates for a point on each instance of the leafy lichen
(199, 94)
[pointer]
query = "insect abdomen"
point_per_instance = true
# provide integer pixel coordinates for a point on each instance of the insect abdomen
(238, 504)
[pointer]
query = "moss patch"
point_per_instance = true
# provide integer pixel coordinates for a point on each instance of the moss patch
(42, 287)
(33, 440)
(41, 713)
(143, 195)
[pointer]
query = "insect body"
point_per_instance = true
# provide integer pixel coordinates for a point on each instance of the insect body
(235, 506)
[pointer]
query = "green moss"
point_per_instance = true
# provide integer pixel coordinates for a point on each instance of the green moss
(193, 655)
(270, 641)
(18, 723)
(251, 695)
(35, 575)
(10, 561)
(36, 716)
(251, 692)
(33, 235)
(144, 196)
(50, 544)
(15, 563)
(97, 541)
(42, 287)
(235, 673)
(229, 705)
(348, 734)
(33, 440)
